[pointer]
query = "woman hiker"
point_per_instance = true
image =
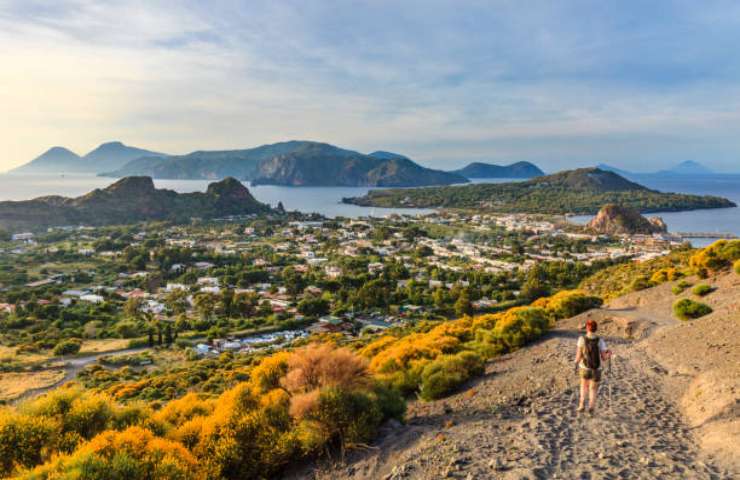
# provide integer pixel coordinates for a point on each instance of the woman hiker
(591, 351)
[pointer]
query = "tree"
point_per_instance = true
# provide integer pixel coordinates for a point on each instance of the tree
(205, 304)
(132, 307)
(168, 334)
(463, 306)
(313, 307)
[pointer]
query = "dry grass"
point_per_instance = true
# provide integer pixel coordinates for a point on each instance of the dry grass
(11, 354)
(104, 345)
(13, 385)
(318, 366)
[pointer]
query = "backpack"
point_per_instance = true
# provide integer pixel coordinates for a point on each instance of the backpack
(591, 353)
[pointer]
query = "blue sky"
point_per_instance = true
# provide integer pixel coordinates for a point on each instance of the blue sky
(642, 85)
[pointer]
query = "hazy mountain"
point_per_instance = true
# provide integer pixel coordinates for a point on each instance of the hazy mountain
(581, 191)
(130, 200)
(487, 170)
(297, 163)
(54, 160)
(688, 167)
(107, 156)
(114, 155)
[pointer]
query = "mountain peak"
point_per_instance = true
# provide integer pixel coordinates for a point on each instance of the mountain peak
(690, 167)
(591, 179)
(489, 170)
(132, 186)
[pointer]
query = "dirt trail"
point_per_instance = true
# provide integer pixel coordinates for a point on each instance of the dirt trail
(520, 421)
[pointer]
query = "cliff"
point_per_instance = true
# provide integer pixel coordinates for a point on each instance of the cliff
(618, 220)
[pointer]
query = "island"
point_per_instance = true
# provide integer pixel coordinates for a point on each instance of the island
(293, 163)
(580, 191)
(130, 200)
(487, 170)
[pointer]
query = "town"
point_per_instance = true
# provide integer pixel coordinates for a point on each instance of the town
(220, 283)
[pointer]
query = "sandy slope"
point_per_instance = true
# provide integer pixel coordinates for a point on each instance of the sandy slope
(669, 406)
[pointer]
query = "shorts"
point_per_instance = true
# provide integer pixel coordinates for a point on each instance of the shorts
(590, 374)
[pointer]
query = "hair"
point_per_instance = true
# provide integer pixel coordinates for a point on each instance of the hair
(591, 325)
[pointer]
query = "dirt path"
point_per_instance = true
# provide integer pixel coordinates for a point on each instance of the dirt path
(520, 420)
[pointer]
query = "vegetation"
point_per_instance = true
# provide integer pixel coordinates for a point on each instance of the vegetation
(718, 256)
(687, 309)
(294, 404)
(582, 191)
(621, 279)
(680, 287)
(702, 290)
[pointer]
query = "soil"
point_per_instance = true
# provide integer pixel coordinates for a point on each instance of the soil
(668, 405)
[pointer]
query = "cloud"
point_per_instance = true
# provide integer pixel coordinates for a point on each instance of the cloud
(564, 84)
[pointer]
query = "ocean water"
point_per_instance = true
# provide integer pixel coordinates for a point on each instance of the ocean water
(324, 200)
(327, 200)
(720, 220)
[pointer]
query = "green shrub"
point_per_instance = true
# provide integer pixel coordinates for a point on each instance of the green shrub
(737, 267)
(448, 372)
(641, 283)
(702, 290)
(67, 347)
(687, 309)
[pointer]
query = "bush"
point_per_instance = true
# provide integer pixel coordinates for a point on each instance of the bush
(568, 303)
(132, 453)
(67, 347)
(666, 275)
(717, 256)
(448, 372)
(702, 290)
(641, 283)
(736, 267)
(687, 309)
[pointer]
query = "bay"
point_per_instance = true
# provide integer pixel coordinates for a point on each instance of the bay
(324, 200)
(719, 220)
(327, 200)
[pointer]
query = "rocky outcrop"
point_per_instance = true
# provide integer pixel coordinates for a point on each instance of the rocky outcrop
(618, 220)
(131, 200)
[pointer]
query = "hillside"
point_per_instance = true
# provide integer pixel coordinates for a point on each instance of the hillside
(129, 200)
(581, 191)
(294, 163)
(107, 156)
(616, 220)
(487, 170)
(668, 405)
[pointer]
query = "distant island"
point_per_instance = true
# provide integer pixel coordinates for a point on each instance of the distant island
(688, 167)
(130, 200)
(294, 163)
(489, 170)
(581, 191)
(107, 156)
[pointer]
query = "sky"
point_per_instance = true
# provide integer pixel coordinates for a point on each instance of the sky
(640, 85)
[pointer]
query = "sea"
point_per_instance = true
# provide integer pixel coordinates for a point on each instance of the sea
(328, 200)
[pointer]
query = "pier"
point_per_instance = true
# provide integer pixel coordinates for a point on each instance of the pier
(722, 236)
